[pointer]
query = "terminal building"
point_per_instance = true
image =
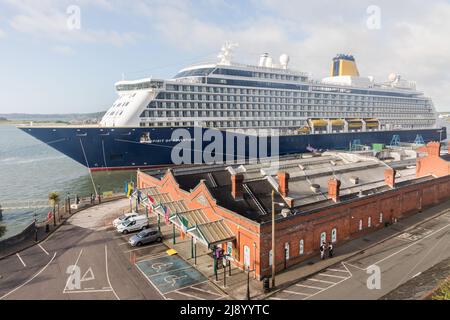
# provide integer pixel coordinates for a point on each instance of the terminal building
(332, 197)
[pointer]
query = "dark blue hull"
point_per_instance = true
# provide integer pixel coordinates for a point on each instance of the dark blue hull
(122, 148)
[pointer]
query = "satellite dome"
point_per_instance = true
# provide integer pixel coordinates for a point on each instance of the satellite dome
(284, 60)
(392, 77)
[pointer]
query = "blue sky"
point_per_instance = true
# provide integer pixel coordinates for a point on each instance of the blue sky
(48, 68)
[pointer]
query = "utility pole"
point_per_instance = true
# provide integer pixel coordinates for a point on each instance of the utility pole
(273, 239)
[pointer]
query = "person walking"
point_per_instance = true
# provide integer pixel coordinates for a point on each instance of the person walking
(322, 251)
(330, 250)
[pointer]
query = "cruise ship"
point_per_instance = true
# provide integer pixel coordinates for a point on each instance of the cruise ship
(247, 112)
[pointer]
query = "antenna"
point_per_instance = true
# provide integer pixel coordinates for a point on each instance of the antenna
(226, 52)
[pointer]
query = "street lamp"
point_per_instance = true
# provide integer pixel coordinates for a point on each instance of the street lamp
(273, 236)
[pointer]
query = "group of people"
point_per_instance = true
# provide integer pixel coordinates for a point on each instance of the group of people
(324, 248)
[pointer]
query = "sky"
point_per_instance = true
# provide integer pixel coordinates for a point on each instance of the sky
(64, 56)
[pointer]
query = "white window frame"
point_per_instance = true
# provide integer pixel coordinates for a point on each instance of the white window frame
(360, 226)
(301, 245)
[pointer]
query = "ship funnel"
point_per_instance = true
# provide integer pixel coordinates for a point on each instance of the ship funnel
(263, 59)
(344, 65)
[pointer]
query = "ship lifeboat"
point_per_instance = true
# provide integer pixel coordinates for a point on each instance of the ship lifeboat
(337, 123)
(355, 123)
(316, 123)
(304, 130)
(372, 123)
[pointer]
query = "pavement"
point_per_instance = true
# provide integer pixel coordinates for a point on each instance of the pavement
(401, 251)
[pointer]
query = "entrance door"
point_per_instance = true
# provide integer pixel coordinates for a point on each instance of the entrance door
(246, 257)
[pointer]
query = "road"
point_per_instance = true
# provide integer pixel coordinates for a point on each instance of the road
(399, 259)
(84, 246)
(87, 259)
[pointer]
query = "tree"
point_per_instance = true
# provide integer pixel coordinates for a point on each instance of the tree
(2, 230)
(53, 198)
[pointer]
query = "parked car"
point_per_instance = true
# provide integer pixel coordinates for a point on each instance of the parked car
(124, 218)
(133, 224)
(144, 237)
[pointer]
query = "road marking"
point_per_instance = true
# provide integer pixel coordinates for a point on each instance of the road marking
(310, 287)
(335, 284)
(88, 290)
(331, 275)
(416, 275)
(154, 286)
(21, 260)
(275, 298)
(407, 247)
(293, 292)
(189, 295)
(29, 280)
(317, 280)
(43, 249)
(107, 274)
(141, 248)
(337, 270)
(207, 291)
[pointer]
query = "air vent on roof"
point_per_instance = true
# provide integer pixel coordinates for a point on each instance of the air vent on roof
(315, 187)
(354, 180)
(301, 167)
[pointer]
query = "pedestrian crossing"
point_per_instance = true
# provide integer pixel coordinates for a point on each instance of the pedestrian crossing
(314, 285)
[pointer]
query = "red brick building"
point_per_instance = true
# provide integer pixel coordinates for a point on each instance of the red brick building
(327, 198)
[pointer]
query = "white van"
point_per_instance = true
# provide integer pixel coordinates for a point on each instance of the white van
(124, 218)
(133, 224)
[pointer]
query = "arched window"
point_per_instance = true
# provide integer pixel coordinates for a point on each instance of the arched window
(381, 217)
(360, 224)
(369, 222)
(301, 247)
(333, 235)
(323, 237)
(270, 258)
(286, 250)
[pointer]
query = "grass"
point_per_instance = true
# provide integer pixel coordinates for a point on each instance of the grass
(443, 292)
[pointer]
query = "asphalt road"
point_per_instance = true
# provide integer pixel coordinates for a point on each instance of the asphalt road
(399, 259)
(83, 259)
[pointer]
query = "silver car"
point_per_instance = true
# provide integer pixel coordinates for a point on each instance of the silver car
(145, 236)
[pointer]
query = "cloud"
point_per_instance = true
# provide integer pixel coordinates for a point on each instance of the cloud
(2, 34)
(49, 20)
(63, 50)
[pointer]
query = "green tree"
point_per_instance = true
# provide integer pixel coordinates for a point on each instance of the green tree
(2, 230)
(53, 198)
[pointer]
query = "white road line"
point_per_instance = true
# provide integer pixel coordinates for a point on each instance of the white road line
(331, 275)
(317, 280)
(142, 248)
(310, 287)
(151, 257)
(416, 275)
(337, 270)
(275, 298)
(324, 289)
(73, 269)
(88, 291)
(188, 295)
(148, 279)
(29, 280)
(293, 292)
(107, 274)
(207, 291)
(407, 247)
(43, 249)
(21, 260)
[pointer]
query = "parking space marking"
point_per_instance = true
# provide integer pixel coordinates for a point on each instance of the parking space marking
(206, 291)
(306, 286)
(331, 275)
(144, 247)
(40, 246)
(18, 256)
(188, 295)
(337, 270)
(317, 280)
(107, 273)
(294, 292)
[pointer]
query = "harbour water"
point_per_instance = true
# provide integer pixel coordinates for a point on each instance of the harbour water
(29, 170)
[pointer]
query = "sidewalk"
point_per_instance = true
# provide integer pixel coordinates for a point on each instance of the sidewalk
(354, 247)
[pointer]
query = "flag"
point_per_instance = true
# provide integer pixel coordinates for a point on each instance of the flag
(130, 190)
(166, 214)
(152, 201)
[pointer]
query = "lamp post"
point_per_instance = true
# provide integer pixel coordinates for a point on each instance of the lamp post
(273, 236)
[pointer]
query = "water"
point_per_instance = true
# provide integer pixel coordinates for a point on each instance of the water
(29, 170)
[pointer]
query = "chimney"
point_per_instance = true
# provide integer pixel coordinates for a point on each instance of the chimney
(334, 186)
(389, 177)
(434, 149)
(283, 183)
(237, 189)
